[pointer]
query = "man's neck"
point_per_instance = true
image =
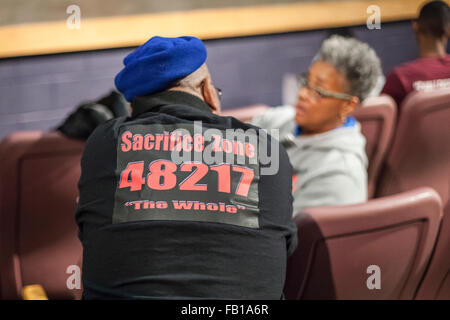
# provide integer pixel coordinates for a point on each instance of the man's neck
(431, 47)
(187, 90)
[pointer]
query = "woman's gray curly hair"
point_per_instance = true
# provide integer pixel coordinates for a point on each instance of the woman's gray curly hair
(355, 60)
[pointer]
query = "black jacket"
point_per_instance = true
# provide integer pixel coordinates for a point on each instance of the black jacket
(154, 227)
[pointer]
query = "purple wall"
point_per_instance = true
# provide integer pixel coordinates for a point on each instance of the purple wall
(38, 92)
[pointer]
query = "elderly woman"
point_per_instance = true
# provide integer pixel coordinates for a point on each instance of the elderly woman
(324, 142)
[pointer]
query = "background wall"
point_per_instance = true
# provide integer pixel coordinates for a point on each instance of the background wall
(26, 11)
(38, 92)
(31, 29)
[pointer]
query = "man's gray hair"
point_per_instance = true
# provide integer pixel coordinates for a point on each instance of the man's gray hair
(355, 60)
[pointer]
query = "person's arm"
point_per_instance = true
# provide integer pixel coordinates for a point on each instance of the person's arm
(276, 197)
(291, 228)
(285, 188)
(337, 188)
(98, 160)
(262, 120)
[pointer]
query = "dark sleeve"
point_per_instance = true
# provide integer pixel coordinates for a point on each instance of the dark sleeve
(276, 199)
(97, 182)
(291, 228)
(394, 87)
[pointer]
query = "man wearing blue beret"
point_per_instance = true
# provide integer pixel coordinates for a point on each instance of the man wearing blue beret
(175, 201)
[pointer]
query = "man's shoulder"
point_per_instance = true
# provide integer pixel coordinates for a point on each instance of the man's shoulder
(404, 71)
(103, 137)
(420, 66)
(106, 129)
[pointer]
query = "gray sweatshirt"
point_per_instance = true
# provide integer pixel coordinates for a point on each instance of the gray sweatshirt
(330, 168)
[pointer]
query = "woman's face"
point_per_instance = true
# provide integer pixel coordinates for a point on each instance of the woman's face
(316, 114)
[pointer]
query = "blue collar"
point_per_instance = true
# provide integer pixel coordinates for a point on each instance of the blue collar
(350, 122)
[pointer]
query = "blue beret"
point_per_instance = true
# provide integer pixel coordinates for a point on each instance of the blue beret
(156, 64)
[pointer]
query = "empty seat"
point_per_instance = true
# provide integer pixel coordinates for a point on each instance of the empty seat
(420, 156)
(436, 283)
(377, 116)
(246, 114)
(38, 190)
(339, 245)
(420, 151)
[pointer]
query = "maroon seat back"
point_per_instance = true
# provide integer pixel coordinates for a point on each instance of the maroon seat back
(377, 116)
(246, 114)
(436, 283)
(38, 234)
(420, 151)
(337, 245)
(420, 156)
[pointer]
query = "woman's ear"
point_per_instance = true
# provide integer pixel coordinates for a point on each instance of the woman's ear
(209, 94)
(349, 106)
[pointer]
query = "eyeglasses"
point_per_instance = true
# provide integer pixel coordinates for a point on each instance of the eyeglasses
(317, 93)
(219, 93)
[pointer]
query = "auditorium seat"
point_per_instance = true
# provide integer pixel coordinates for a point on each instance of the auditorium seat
(38, 190)
(377, 116)
(436, 283)
(339, 245)
(420, 156)
(245, 114)
(420, 151)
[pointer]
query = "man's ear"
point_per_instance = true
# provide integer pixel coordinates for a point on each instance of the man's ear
(210, 96)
